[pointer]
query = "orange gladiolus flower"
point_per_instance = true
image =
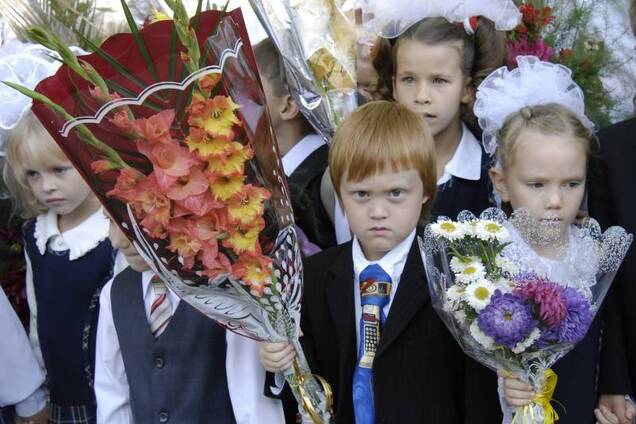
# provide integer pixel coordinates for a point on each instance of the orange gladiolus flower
(206, 146)
(192, 184)
(208, 82)
(156, 128)
(248, 205)
(255, 271)
(233, 161)
(199, 205)
(217, 266)
(122, 121)
(216, 115)
(127, 180)
(244, 239)
(224, 187)
(184, 241)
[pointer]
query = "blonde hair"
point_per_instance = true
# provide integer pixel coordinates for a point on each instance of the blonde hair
(549, 119)
(381, 133)
(28, 144)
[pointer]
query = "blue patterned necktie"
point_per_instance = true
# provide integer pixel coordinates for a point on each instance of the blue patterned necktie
(375, 289)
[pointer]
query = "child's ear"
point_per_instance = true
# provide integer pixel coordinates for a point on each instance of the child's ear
(289, 108)
(469, 92)
(498, 180)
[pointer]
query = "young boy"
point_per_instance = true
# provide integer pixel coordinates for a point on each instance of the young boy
(404, 367)
(160, 360)
(304, 153)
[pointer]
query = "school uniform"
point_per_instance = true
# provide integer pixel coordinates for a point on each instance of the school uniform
(419, 372)
(191, 373)
(465, 184)
(21, 378)
(65, 272)
(611, 202)
(304, 165)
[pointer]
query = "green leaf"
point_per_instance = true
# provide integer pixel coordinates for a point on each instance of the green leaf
(114, 63)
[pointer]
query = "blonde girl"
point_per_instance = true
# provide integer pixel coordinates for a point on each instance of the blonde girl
(69, 258)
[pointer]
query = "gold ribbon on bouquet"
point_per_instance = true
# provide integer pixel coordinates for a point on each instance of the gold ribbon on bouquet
(306, 401)
(544, 398)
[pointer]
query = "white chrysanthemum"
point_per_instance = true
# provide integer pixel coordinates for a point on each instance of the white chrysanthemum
(506, 265)
(473, 271)
(470, 227)
(455, 293)
(529, 341)
(449, 230)
(483, 339)
(504, 284)
(491, 230)
(478, 294)
(458, 265)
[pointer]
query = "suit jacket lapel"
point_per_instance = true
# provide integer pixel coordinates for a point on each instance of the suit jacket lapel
(411, 294)
(339, 292)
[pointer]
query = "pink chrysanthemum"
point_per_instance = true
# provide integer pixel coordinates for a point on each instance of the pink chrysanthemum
(546, 295)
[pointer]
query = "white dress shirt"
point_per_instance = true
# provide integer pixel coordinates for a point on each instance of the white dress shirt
(21, 377)
(245, 375)
(466, 161)
(78, 240)
(392, 263)
(301, 151)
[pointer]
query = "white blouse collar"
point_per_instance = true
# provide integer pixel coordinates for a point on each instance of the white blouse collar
(301, 151)
(80, 239)
(466, 162)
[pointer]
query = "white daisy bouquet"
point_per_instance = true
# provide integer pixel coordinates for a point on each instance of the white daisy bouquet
(510, 308)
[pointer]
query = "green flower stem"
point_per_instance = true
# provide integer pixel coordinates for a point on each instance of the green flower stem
(85, 134)
(51, 41)
(186, 34)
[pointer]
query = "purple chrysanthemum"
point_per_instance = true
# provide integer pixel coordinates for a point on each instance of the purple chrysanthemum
(548, 296)
(576, 322)
(507, 319)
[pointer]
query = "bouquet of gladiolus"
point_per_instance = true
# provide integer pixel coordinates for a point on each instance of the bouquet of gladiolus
(168, 126)
(510, 308)
(317, 41)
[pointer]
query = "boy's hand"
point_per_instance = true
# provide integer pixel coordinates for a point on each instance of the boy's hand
(517, 392)
(276, 357)
(614, 409)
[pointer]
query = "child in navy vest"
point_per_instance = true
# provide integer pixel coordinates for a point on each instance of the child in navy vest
(176, 366)
(69, 259)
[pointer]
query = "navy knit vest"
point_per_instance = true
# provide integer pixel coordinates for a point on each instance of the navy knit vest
(179, 377)
(64, 290)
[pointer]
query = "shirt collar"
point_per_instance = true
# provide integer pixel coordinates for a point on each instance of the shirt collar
(301, 150)
(80, 239)
(466, 162)
(392, 263)
(146, 276)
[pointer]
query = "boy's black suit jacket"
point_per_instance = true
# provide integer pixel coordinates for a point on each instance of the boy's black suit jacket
(420, 374)
(611, 185)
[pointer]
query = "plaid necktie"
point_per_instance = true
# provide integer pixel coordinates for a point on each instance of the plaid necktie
(375, 289)
(161, 309)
